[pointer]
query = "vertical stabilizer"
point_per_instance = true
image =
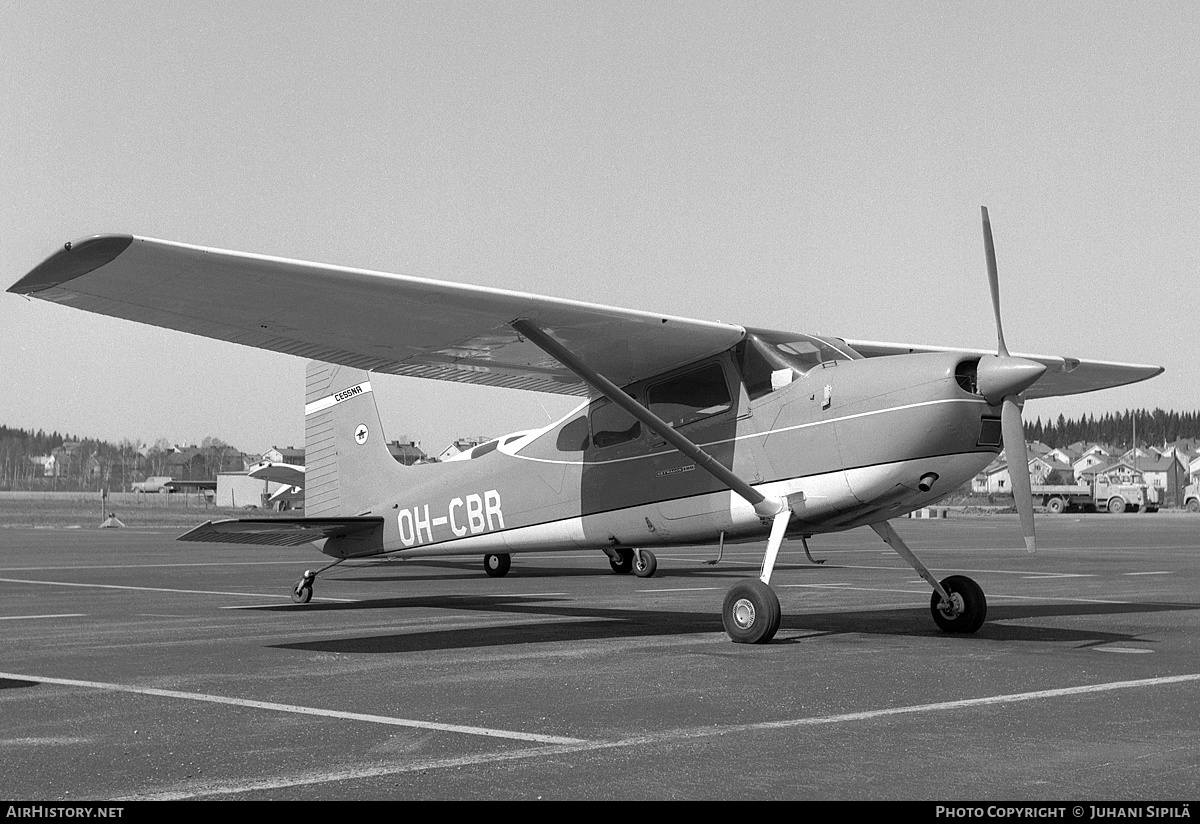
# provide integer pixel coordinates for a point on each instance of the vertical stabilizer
(348, 467)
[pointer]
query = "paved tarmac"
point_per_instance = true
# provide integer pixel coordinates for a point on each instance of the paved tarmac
(137, 667)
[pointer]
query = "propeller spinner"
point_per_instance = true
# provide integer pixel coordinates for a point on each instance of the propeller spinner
(1002, 379)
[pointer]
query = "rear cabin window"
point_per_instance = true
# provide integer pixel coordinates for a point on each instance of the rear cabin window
(480, 451)
(573, 437)
(691, 396)
(612, 425)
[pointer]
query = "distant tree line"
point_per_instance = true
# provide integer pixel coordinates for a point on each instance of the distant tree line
(1155, 427)
(39, 461)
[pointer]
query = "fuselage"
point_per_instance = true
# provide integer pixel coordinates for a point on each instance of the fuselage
(848, 441)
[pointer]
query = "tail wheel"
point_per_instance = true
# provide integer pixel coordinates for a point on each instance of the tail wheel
(302, 592)
(644, 563)
(966, 610)
(497, 564)
(751, 612)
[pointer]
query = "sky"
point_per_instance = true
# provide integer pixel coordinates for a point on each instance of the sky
(809, 166)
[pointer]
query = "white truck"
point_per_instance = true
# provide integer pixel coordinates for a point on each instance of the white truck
(1191, 497)
(1103, 495)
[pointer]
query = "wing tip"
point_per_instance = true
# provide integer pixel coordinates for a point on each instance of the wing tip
(72, 261)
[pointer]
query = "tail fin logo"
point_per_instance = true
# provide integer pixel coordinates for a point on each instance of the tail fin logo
(360, 434)
(333, 400)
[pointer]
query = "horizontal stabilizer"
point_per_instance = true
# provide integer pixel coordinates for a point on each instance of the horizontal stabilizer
(280, 473)
(279, 531)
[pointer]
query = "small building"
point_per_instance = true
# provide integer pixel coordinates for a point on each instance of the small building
(461, 445)
(237, 490)
(285, 454)
(407, 452)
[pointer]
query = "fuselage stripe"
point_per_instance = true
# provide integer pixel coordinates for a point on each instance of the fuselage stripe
(757, 434)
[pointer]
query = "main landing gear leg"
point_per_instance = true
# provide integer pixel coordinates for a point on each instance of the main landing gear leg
(958, 604)
(303, 590)
(751, 611)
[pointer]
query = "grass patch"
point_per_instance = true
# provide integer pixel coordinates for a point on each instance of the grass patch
(156, 511)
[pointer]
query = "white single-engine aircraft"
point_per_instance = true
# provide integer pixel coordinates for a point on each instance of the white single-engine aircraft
(691, 432)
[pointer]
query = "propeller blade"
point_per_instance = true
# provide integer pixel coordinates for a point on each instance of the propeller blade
(989, 249)
(1018, 466)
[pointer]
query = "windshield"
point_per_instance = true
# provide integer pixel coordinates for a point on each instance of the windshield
(771, 360)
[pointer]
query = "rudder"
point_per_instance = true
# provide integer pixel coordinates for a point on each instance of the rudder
(348, 467)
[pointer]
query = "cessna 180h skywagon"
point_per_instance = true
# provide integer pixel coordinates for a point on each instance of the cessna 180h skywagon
(691, 432)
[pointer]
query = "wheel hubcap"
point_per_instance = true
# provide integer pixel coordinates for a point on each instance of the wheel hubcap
(952, 608)
(743, 614)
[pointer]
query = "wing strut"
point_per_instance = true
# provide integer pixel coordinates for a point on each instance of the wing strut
(766, 507)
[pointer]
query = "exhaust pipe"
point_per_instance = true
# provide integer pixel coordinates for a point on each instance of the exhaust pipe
(927, 481)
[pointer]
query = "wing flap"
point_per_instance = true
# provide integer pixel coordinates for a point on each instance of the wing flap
(279, 531)
(380, 322)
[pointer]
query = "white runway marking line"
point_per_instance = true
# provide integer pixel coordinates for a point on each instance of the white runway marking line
(1161, 572)
(1040, 575)
(146, 566)
(160, 589)
(26, 617)
(292, 708)
(196, 789)
(524, 595)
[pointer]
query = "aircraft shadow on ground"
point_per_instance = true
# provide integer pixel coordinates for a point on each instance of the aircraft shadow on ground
(583, 624)
(16, 683)
(473, 571)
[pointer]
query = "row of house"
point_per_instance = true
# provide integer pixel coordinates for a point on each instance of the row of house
(237, 489)
(1165, 470)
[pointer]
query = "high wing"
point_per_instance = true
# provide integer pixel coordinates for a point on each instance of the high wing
(1064, 375)
(410, 326)
(368, 320)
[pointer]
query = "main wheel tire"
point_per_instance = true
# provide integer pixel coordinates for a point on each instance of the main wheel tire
(621, 561)
(302, 592)
(1056, 506)
(751, 612)
(1193, 505)
(496, 564)
(970, 606)
(1116, 504)
(644, 563)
